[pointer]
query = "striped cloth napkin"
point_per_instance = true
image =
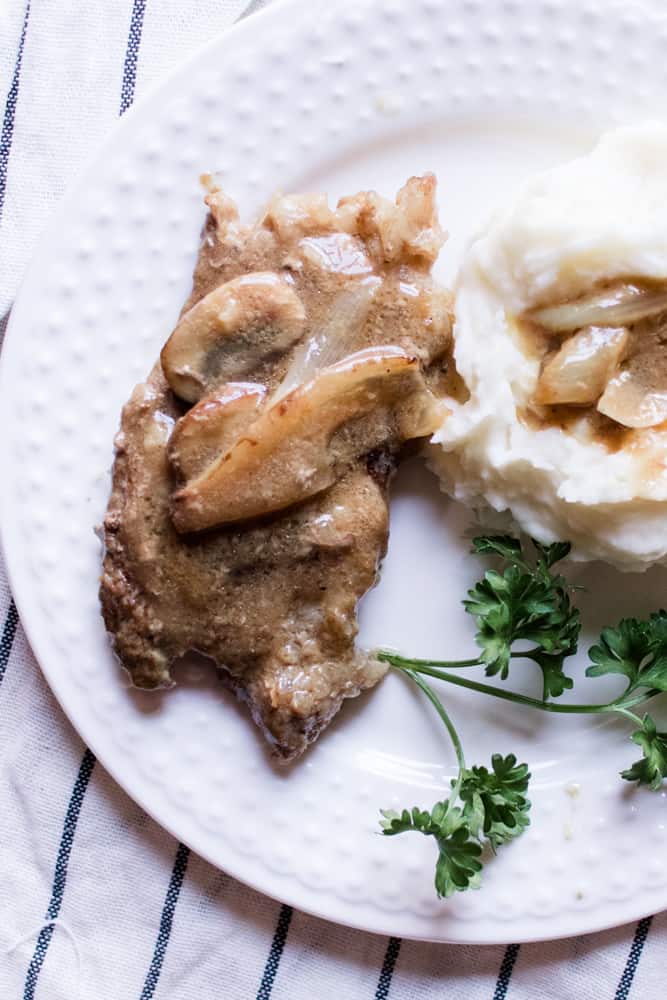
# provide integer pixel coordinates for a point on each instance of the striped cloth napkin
(96, 900)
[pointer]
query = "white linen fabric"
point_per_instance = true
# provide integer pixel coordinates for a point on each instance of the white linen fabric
(96, 900)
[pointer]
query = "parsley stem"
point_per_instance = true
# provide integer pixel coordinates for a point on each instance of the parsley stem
(442, 712)
(521, 699)
(400, 661)
(623, 702)
(630, 715)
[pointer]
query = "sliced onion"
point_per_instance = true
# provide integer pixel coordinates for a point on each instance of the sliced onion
(637, 395)
(580, 370)
(627, 402)
(619, 305)
(334, 340)
(633, 399)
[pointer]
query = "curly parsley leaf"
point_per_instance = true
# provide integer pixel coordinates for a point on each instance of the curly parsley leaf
(495, 803)
(551, 554)
(498, 545)
(525, 602)
(458, 866)
(555, 681)
(491, 602)
(651, 768)
(495, 810)
(418, 820)
(621, 650)
(637, 649)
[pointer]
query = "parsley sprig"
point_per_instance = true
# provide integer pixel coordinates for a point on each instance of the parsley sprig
(637, 649)
(483, 808)
(525, 600)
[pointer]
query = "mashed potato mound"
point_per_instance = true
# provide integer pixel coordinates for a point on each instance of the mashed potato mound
(597, 220)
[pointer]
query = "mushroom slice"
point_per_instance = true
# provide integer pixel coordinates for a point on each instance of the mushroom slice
(210, 428)
(580, 370)
(230, 332)
(304, 442)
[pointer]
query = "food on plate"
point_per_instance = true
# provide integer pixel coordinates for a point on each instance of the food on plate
(561, 340)
(248, 512)
(524, 602)
(303, 443)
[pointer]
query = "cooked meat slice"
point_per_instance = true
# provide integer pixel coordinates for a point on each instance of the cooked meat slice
(273, 602)
(390, 231)
(396, 231)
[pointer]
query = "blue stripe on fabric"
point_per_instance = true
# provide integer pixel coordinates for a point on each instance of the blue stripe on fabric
(275, 954)
(10, 111)
(60, 875)
(506, 970)
(132, 55)
(636, 948)
(6, 137)
(252, 7)
(387, 970)
(166, 921)
(7, 640)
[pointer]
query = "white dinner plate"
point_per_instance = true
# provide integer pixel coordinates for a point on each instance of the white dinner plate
(333, 97)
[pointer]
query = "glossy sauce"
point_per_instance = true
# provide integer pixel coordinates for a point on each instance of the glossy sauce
(644, 361)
